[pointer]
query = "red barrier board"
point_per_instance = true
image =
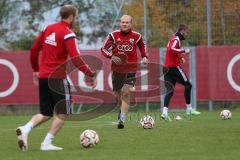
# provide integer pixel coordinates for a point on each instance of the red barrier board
(16, 86)
(218, 73)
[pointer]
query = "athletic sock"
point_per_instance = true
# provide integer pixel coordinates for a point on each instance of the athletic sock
(165, 111)
(28, 127)
(189, 107)
(48, 139)
(123, 116)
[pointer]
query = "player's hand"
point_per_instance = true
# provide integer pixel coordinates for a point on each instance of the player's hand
(183, 60)
(90, 81)
(145, 60)
(90, 78)
(90, 72)
(35, 78)
(187, 51)
(117, 60)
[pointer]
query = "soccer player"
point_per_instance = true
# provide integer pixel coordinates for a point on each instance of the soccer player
(121, 48)
(55, 43)
(173, 71)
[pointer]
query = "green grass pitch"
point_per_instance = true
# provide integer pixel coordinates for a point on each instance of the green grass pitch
(206, 137)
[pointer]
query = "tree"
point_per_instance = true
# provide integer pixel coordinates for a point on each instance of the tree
(21, 20)
(157, 27)
(225, 22)
(165, 15)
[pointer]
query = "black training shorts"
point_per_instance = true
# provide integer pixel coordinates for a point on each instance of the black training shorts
(173, 75)
(119, 79)
(54, 96)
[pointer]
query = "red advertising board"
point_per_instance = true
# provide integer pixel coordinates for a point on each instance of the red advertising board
(217, 77)
(218, 73)
(16, 86)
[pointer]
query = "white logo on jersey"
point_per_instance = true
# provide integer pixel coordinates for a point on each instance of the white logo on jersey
(51, 40)
(131, 40)
(125, 47)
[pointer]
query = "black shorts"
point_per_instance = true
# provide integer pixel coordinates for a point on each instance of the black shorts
(173, 75)
(119, 79)
(54, 96)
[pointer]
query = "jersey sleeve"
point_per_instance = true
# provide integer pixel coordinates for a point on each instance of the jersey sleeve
(142, 47)
(108, 46)
(174, 47)
(34, 52)
(70, 42)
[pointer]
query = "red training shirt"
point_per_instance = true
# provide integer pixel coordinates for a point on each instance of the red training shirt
(121, 43)
(173, 52)
(56, 42)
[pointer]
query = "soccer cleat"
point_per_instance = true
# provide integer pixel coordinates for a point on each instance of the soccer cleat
(192, 112)
(120, 125)
(166, 117)
(50, 147)
(22, 139)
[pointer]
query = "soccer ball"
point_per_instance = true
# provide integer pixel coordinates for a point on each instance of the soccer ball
(89, 138)
(225, 114)
(147, 122)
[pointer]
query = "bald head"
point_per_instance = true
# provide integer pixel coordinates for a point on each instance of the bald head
(126, 23)
(126, 18)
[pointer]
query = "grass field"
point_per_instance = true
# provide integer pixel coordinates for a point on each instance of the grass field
(206, 137)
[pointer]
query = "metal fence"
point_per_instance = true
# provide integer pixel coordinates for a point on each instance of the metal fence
(211, 22)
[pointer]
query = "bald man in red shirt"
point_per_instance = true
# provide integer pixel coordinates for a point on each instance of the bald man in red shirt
(121, 47)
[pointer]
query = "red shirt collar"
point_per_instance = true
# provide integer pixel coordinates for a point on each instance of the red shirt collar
(126, 32)
(65, 24)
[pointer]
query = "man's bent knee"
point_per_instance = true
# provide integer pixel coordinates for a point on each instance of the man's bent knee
(61, 116)
(43, 117)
